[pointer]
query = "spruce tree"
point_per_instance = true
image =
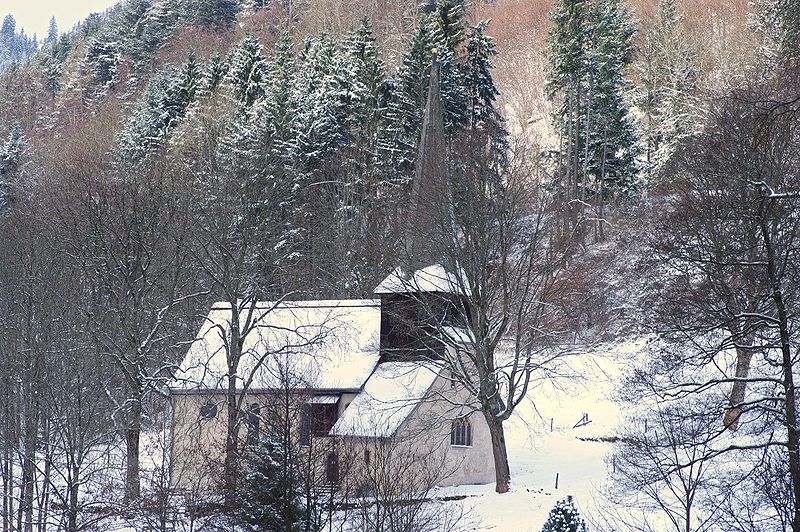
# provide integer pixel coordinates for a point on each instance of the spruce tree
(215, 73)
(668, 73)
(52, 34)
(273, 489)
(320, 98)
(247, 71)
(564, 517)
(611, 134)
(480, 87)
(404, 113)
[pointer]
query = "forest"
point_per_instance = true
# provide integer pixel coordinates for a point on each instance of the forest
(618, 171)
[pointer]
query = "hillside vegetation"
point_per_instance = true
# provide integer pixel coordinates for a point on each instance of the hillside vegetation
(632, 167)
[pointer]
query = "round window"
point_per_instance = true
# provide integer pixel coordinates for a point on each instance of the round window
(208, 410)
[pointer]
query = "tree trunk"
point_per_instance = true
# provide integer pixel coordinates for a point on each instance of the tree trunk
(133, 431)
(743, 358)
(72, 502)
(230, 472)
(499, 453)
(790, 400)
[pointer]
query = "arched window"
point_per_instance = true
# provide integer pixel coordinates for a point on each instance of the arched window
(461, 433)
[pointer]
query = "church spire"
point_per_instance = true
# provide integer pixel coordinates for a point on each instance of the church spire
(430, 195)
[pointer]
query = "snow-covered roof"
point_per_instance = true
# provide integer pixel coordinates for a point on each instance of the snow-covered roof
(326, 345)
(389, 396)
(434, 278)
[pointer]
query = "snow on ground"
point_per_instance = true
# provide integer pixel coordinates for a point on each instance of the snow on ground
(536, 454)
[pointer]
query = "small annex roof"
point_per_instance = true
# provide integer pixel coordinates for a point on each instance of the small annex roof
(320, 345)
(433, 278)
(389, 396)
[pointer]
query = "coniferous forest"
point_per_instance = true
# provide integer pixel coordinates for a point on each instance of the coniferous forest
(623, 186)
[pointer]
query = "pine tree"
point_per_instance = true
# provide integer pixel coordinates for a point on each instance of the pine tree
(564, 517)
(668, 73)
(52, 34)
(247, 71)
(480, 87)
(273, 489)
(320, 100)
(612, 137)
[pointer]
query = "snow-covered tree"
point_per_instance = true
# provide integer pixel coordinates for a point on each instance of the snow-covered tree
(669, 74)
(564, 517)
(247, 70)
(273, 488)
(321, 100)
(481, 89)
(52, 34)
(611, 137)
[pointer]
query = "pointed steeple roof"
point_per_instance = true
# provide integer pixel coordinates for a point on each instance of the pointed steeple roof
(429, 212)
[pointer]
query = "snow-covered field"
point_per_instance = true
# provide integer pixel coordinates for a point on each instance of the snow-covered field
(537, 455)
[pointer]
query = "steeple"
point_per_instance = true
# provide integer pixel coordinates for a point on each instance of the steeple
(429, 211)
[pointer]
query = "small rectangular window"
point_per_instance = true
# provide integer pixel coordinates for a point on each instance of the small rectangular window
(253, 423)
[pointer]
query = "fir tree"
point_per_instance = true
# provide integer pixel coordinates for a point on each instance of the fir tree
(668, 73)
(480, 87)
(564, 517)
(260, 151)
(12, 159)
(166, 100)
(12, 153)
(247, 71)
(612, 137)
(273, 489)
(52, 34)
(102, 59)
(590, 47)
(404, 113)
(320, 100)
(216, 72)
(365, 85)
(218, 14)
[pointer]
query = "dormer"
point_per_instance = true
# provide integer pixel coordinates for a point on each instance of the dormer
(415, 309)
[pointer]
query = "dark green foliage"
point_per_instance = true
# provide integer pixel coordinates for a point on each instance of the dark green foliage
(480, 88)
(12, 152)
(217, 14)
(591, 44)
(216, 72)
(247, 71)
(102, 59)
(564, 517)
(321, 100)
(52, 34)
(165, 101)
(273, 495)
